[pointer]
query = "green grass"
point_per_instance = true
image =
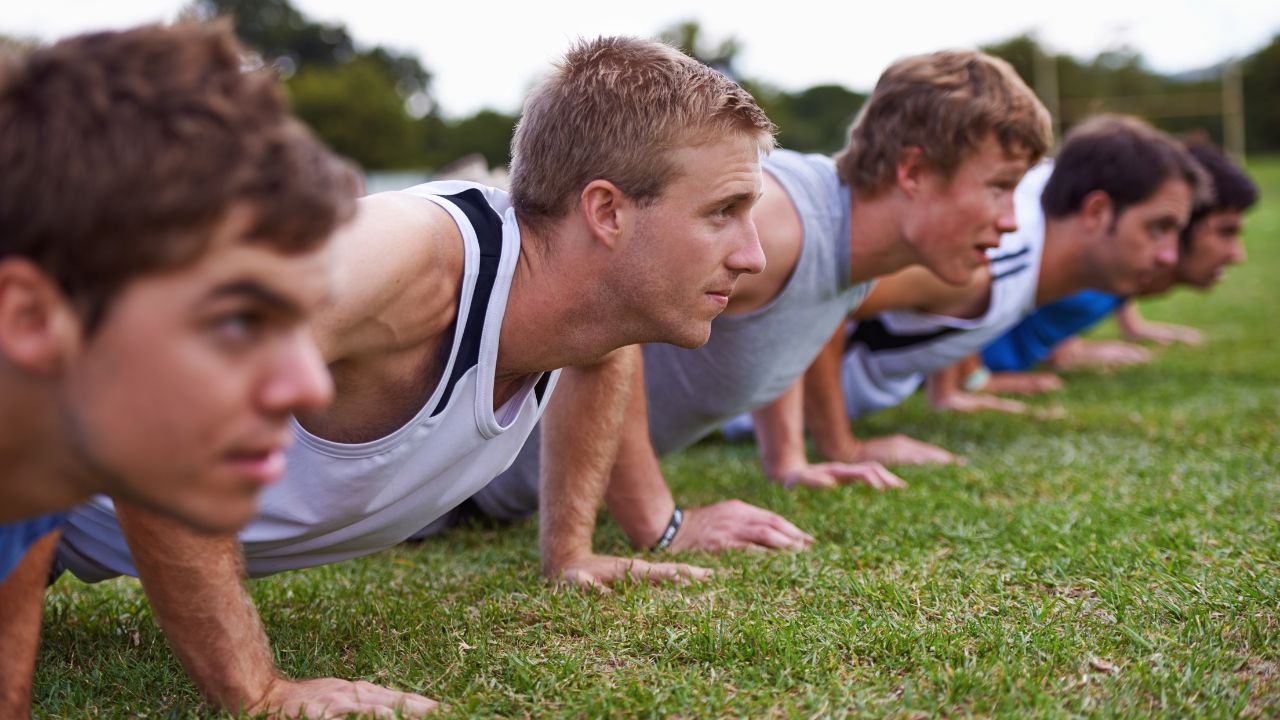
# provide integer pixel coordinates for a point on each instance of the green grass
(1140, 533)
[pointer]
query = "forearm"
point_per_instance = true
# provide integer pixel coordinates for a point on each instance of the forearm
(779, 430)
(194, 583)
(824, 409)
(943, 386)
(21, 606)
(580, 433)
(1130, 321)
(637, 494)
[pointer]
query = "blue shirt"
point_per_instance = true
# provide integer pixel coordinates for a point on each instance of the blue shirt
(16, 537)
(1033, 339)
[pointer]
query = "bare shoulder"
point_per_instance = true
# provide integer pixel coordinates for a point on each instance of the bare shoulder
(781, 237)
(400, 266)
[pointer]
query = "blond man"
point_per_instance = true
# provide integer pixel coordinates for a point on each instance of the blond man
(927, 178)
(635, 170)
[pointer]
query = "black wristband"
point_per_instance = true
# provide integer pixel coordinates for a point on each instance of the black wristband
(677, 517)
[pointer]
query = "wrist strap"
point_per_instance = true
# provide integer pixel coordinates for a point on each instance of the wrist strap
(977, 380)
(677, 517)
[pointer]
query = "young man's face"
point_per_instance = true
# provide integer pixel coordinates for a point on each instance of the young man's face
(953, 222)
(1215, 244)
(180, 401)
(692, 243)
(1142, 242)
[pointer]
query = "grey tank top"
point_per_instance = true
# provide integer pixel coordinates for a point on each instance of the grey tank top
(752, 358)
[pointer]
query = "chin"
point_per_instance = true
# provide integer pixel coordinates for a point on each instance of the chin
(692, 338)
(213, 516)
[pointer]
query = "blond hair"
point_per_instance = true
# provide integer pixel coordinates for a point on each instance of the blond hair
(945, 103)
(614, 109)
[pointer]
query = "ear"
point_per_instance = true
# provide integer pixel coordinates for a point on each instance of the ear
(911, 170)
(1098, 211)
(606, 210)
(38, 327)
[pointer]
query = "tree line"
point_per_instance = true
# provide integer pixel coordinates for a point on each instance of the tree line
(374, 104)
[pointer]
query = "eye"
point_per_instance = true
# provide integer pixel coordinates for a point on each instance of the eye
(239, 328)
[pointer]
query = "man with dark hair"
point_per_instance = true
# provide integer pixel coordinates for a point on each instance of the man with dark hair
(1207, 246)
(162, 246)
(447, 336)
(1106, 213)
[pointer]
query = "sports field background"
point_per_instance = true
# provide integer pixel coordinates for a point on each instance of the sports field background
(1121, 561)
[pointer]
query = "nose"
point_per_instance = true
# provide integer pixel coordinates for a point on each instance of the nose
(1167, 250)
(1007, 216)
(1238, 254)
(299, 379)
(749, 256)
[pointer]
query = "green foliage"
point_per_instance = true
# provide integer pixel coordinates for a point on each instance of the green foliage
(1123, 561)
(1261, 89)
(355, 107)
(488, 132)
(353, 98)
(816, 119)
(277, 29)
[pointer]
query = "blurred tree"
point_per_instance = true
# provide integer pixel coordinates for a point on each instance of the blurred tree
(816, 119)
(356, 109)
(278, 30)
(1261, 89)
(688, 36)
(487, 132)
(366, 103)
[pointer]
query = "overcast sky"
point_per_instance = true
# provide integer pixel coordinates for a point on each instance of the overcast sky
(486, 54)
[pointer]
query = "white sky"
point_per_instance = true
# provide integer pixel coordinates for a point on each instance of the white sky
(486, 54)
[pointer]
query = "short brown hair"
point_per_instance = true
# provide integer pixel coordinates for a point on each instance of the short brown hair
(614, 109)
(122, 151)
(946, 103)
(1122, 156)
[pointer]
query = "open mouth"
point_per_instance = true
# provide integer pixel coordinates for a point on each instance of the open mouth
(261, 466)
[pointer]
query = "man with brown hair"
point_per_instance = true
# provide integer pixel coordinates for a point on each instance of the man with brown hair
(927, 178)
(635, 170)
(162, 246)
(1106, 213)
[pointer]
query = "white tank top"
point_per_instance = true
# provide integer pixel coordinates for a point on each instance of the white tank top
(340, 500)
(888, 356)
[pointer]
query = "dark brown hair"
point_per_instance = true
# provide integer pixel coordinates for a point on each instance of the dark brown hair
(122, 152)
(1122, 156)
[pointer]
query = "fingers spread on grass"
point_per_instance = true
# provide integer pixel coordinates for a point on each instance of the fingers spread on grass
(335, 698)
(734, 524)
(873, 475)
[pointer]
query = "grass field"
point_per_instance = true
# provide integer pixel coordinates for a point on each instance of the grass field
(1122, 561)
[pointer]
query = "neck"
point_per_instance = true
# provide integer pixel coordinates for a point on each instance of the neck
(39, 476)
(556, 316)
(877, 244)
(1063, 270)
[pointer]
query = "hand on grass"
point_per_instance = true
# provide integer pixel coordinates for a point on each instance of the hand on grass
(1099, 355)
(733, 524)
(1023, 383)
(833, 474)
(900, 450)
(1166, 334)
(334, 698)
(598, 572)
(976, 402)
